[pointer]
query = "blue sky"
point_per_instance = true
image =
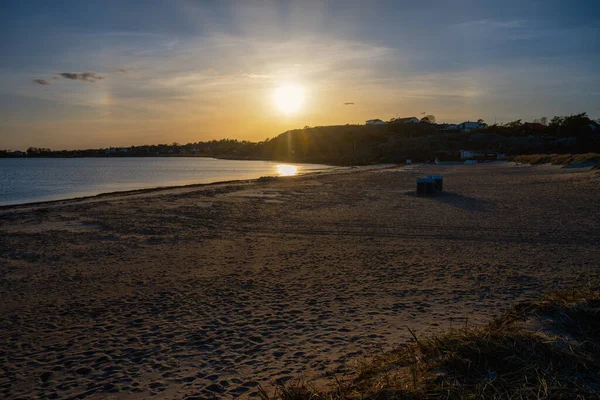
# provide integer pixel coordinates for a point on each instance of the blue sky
(114, 73)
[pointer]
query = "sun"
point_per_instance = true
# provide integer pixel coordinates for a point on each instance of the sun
(289, 98)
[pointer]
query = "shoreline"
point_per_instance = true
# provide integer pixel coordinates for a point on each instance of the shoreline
(124, 193)
(133, 192)
(332, 169)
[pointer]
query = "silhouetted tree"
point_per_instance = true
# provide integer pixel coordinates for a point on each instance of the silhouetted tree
(557, 122)
(572, 125)
(576, 121)
(513, 124)
(428, 119)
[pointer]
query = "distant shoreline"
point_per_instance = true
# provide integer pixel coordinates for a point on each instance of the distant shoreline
(225, 157)
(231, 158)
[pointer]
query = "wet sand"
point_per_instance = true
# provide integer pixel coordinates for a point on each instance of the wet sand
(210, 291)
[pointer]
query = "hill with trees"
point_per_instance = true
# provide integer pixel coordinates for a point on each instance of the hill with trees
(379, 143)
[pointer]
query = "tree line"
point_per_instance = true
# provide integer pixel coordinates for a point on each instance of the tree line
(360, 144)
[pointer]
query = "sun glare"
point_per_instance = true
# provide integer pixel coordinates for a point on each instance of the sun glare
(286, 170)
(289, 98)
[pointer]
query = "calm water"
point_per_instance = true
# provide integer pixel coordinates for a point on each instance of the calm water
(42, 179)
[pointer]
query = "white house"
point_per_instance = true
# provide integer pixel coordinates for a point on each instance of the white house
(375, 122)
(469, 155)
(469, 126)
(407, 120)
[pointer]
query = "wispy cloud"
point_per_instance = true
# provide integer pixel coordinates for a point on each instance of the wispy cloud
(507, 24)
(83, 76)
(257, 76)
(349, 103)
(41, 81)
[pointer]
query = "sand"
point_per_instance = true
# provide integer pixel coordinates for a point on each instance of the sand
(210, 291)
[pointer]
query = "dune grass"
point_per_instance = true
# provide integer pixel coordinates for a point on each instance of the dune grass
(546, 349)
(557, 159)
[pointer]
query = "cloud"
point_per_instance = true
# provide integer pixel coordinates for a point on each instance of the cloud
(41, 81)
(83, 76)
(257, 76)
(123, 71)
(349, 103)
(500, 24)
(516, 23)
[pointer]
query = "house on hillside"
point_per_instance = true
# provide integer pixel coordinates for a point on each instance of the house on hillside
(468, 154)
(375, 122)
(407, 120)
(469, 126)
(450, 127)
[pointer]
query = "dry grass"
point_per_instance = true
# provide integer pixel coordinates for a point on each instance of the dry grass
(557, 159)
(548, 349)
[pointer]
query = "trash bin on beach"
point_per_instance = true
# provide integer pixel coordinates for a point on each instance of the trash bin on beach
(439, 182)
(425, 186)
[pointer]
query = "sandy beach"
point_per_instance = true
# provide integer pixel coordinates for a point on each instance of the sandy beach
(210, 291)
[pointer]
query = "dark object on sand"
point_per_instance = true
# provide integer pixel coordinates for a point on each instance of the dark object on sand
(425, 186)
(439, 182)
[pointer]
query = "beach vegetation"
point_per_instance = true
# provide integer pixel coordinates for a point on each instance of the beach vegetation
(558, 159)
(544, 349)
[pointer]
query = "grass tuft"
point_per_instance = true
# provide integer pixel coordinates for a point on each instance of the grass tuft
(557, 159)
(546, 349)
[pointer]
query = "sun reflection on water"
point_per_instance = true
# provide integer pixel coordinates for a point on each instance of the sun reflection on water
(286, 170)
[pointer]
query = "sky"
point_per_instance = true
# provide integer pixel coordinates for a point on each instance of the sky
(95, 74)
